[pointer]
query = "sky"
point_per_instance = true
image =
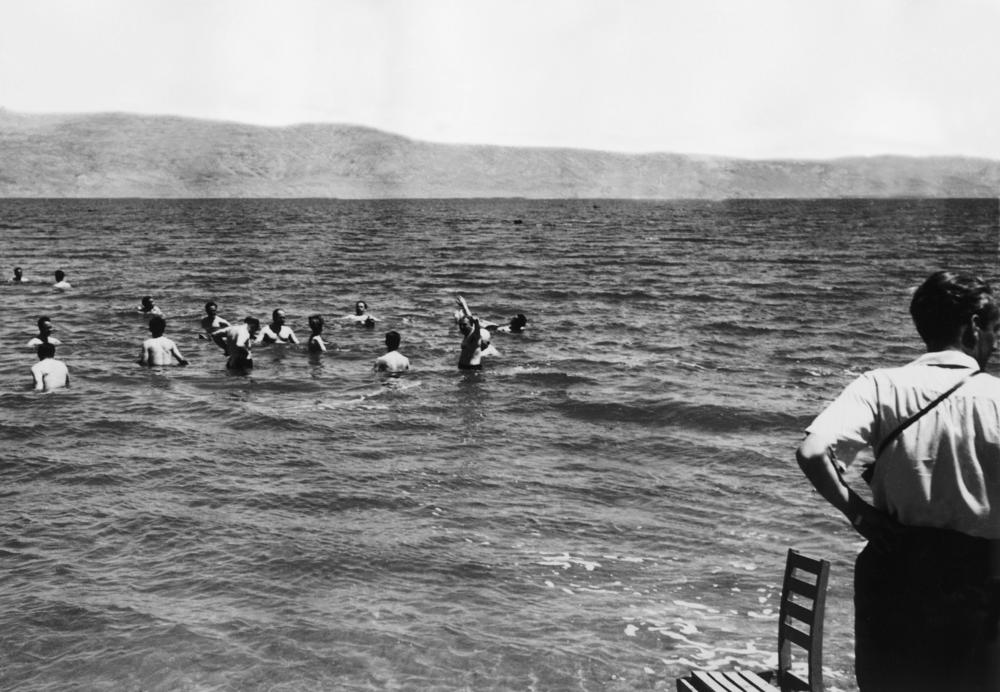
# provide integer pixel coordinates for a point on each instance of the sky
(808, 79)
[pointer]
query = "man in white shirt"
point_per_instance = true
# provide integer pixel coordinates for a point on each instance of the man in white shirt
(927, 602)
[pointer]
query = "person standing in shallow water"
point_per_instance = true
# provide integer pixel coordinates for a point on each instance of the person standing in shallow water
(277, 332)
(48, 373)
(158, 349)
(239, 340)
(61, 283)
(316, 343)
(45, 330)
(392, 360)
(927, 584)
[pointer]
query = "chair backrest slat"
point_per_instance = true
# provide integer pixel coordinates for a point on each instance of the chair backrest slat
(800, 612)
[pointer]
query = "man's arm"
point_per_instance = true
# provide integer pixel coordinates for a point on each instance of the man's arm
(143, 355)
(175, 352)
(817, 463)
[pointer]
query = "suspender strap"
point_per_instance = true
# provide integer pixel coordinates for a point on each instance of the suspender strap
(891, 437)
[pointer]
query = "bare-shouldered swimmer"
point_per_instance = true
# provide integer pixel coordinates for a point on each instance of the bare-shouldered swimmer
(392, 360)
(158, 349)
(48, 373)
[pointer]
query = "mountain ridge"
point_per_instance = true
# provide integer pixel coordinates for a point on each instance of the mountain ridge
(128, 155)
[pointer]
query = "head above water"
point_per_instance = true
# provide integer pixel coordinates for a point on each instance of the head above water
(17, 272)
(392, 340)
(147, 302)
(360, 307)
(316, 323)
(518, 322)
(252, 323)
(157, 325)
(44, 324)
(953, 310)
(60, 275)
(278, 315)
(211, 307)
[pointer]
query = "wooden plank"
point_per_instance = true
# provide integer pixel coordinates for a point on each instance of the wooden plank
(683, 685)
(728, 681)
(705, 683)
(756, 683)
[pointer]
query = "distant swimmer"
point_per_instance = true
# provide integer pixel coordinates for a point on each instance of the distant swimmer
(158, 349)
(316, 343)
(18, 276)
(515, 326)
(392, 360)
(239, 340)
(45, 330)
(212, 323)
(277, 332)
(61, 283)
(149, 308)
(48, 373)
(361, 315)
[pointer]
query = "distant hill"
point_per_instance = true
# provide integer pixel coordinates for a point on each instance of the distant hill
(120, 155)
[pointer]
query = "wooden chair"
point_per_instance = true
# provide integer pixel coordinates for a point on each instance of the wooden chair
(800, 622)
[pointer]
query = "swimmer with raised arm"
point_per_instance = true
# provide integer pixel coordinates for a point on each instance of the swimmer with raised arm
(239, 340)
(158, 349)
(277, 332)
(476, 339)
(316, 343)
(392, 360)
(48, 373)
(45, 330)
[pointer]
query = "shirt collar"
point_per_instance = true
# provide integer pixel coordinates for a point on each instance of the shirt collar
(948, 357)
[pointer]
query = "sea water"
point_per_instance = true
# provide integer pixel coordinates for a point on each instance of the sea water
(605, 505)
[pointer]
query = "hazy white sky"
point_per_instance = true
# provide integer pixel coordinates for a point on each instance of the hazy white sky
(753, 78)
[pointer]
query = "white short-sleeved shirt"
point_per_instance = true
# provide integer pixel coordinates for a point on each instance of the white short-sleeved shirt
(944, 470)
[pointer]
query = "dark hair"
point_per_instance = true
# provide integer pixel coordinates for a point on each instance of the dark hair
(944, 304)
(274, 313)
(60, 275)
(46, 350)
(42, 320)
(211, 302)
(316, 323)
(157, 325)
(392, 340)
(252, 322)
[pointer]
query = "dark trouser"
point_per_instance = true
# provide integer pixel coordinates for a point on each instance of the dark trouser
(926, 615)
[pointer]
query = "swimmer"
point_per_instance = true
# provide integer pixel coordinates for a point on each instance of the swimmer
(361, 316)
(277, 332)
(150, 308)
(61, 283)
(392, 360)
(472, 353)
(475, 344)
(239, 340)
(316, 343)
(158, 349)
(48, 373)
(515, 326)
(211, 323)
(45, 330)
(18, 275)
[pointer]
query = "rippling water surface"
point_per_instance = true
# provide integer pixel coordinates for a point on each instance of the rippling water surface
(606, 505)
